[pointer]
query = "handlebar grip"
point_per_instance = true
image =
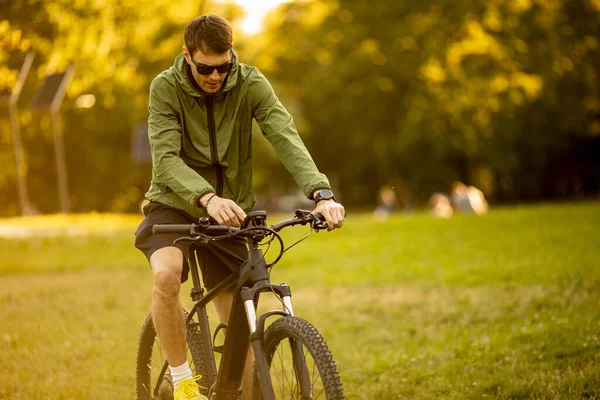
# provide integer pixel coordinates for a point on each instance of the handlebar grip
(172, 228)
(222, 229)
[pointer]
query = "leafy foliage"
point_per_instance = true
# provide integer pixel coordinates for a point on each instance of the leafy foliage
(500, 94)
(421, 94)
(117, 47)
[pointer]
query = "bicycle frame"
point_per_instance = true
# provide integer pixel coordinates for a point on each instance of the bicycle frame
(243, 324)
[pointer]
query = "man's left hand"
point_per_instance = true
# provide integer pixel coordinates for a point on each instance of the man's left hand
(333, 212)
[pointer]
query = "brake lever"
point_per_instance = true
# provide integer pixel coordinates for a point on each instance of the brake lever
(202, 239)
(304, 215)
(318, 223)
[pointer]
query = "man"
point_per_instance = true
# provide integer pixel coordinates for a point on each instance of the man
(200, 129)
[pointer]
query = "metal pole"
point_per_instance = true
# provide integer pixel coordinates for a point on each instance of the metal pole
(61, 165)
(20, 161)
(59, 147)
(62, 89)
(16, 136)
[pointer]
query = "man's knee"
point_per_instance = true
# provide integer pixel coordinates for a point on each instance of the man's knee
(167, 264)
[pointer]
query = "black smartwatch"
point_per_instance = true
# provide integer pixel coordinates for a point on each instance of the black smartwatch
(324, 194)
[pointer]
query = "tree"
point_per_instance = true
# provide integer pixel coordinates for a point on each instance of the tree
(118, 47)
(426, 93)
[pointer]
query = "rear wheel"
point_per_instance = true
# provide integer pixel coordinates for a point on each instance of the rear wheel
(150, 385)
(300, 364)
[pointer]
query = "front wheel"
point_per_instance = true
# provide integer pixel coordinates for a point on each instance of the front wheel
(300, 364)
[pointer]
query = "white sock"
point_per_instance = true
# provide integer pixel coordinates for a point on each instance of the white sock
(180, 373)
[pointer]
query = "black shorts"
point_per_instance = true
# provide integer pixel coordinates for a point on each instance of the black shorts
(218, 259)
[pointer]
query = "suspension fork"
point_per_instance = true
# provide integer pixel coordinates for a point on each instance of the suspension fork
(297, 354)
(257, 328)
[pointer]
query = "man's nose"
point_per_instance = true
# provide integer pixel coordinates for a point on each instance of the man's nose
(214, 75)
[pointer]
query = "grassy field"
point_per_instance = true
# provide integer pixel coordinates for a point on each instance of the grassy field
(503, 306)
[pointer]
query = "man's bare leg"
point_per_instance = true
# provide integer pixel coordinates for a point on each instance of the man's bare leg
(223, 304)
(167, 313)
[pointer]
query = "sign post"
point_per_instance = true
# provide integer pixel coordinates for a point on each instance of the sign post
(11, 98)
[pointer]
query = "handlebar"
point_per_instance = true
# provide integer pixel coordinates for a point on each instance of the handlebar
(190, 229)
(302, 217)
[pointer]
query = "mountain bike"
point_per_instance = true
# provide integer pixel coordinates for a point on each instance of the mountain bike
(291, 359)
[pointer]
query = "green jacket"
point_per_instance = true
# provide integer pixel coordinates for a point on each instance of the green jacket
(203, 143)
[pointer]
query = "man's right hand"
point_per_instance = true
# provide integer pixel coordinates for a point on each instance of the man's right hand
(224, 211)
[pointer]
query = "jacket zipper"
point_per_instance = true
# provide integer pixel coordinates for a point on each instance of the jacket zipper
(212, 135)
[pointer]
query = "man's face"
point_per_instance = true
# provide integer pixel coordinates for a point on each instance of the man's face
(212, 82)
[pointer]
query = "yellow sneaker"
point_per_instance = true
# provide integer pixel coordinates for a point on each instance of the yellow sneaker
(188, 389)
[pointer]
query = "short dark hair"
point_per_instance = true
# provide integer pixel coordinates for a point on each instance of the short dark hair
(208, 33)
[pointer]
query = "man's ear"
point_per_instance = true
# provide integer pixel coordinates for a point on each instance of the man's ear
(186, 54)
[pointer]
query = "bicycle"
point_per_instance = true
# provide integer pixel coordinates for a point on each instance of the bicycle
(290, 353)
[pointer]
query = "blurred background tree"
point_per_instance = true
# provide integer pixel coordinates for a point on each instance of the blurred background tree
(118, 47)
(500, 94)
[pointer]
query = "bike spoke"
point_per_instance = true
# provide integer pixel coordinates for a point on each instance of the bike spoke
(317, 396)
(297, 367)
(286, 383)
(148, 390)
(283, 371)
(295, 381)
(157, 344)
(296, 388)
(279, 378)
(316, 374)
(157, 363)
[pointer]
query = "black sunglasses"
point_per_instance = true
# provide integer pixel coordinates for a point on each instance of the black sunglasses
(208, 69)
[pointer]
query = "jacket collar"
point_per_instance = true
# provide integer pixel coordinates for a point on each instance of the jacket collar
(180, 68)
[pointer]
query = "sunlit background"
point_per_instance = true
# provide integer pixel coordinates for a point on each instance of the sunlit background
(256, 11)
(403, 96)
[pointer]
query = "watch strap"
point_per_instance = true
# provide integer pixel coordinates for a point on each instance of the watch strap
(324, 194)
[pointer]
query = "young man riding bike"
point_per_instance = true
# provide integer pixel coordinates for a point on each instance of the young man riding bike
(200, 129)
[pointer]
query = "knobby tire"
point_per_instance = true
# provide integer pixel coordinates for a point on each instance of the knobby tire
(324, 377)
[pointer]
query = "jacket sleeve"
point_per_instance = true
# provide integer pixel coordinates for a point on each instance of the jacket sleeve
(278, 127)
(164, 131)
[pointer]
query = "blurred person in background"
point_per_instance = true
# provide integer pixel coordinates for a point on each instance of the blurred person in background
(467, 199)
(200, 129)
(439, 206)
(478, 201)
(387, 202)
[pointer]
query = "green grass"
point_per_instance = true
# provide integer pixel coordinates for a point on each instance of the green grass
(503, 306)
